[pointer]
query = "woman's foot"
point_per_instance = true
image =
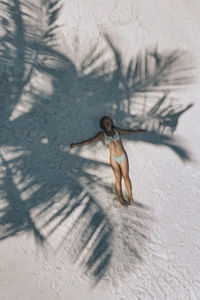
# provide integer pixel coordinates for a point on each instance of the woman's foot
(121, 200)
(130, 201)
(129, 198)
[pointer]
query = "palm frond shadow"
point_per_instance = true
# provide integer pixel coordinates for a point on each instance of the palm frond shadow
(145, 86)
(41, 185)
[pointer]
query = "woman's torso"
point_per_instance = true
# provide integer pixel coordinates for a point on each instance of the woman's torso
(113, 143)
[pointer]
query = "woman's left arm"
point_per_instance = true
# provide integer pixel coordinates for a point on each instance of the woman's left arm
(129, 131)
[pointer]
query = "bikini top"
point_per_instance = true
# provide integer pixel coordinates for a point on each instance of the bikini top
(110, 139)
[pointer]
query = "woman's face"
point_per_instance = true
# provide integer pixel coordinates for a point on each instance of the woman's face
(107, 122)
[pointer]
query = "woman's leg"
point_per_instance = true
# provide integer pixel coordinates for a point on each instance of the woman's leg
(124, 170)
(118, 177)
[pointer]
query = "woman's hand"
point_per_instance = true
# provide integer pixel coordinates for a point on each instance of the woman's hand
(73, 145)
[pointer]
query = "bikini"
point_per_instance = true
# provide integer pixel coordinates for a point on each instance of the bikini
(110, 139)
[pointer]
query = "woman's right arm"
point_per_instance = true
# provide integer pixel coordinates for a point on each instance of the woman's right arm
(96, 138)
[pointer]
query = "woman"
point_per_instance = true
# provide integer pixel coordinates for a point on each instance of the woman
(111, 136)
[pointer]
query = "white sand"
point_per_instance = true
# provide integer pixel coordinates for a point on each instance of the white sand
(60, 232)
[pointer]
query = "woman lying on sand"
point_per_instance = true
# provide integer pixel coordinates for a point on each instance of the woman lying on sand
(111, 136)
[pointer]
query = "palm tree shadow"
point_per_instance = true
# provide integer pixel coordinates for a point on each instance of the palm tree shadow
(145, 85)
(41, 185)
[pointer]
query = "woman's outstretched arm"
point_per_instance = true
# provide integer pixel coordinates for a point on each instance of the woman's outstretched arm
(129, 131)
(96, 138)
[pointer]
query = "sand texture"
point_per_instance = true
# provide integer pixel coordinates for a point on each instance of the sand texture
(63, 65)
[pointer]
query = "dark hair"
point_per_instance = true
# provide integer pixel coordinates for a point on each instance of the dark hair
(101, 122)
